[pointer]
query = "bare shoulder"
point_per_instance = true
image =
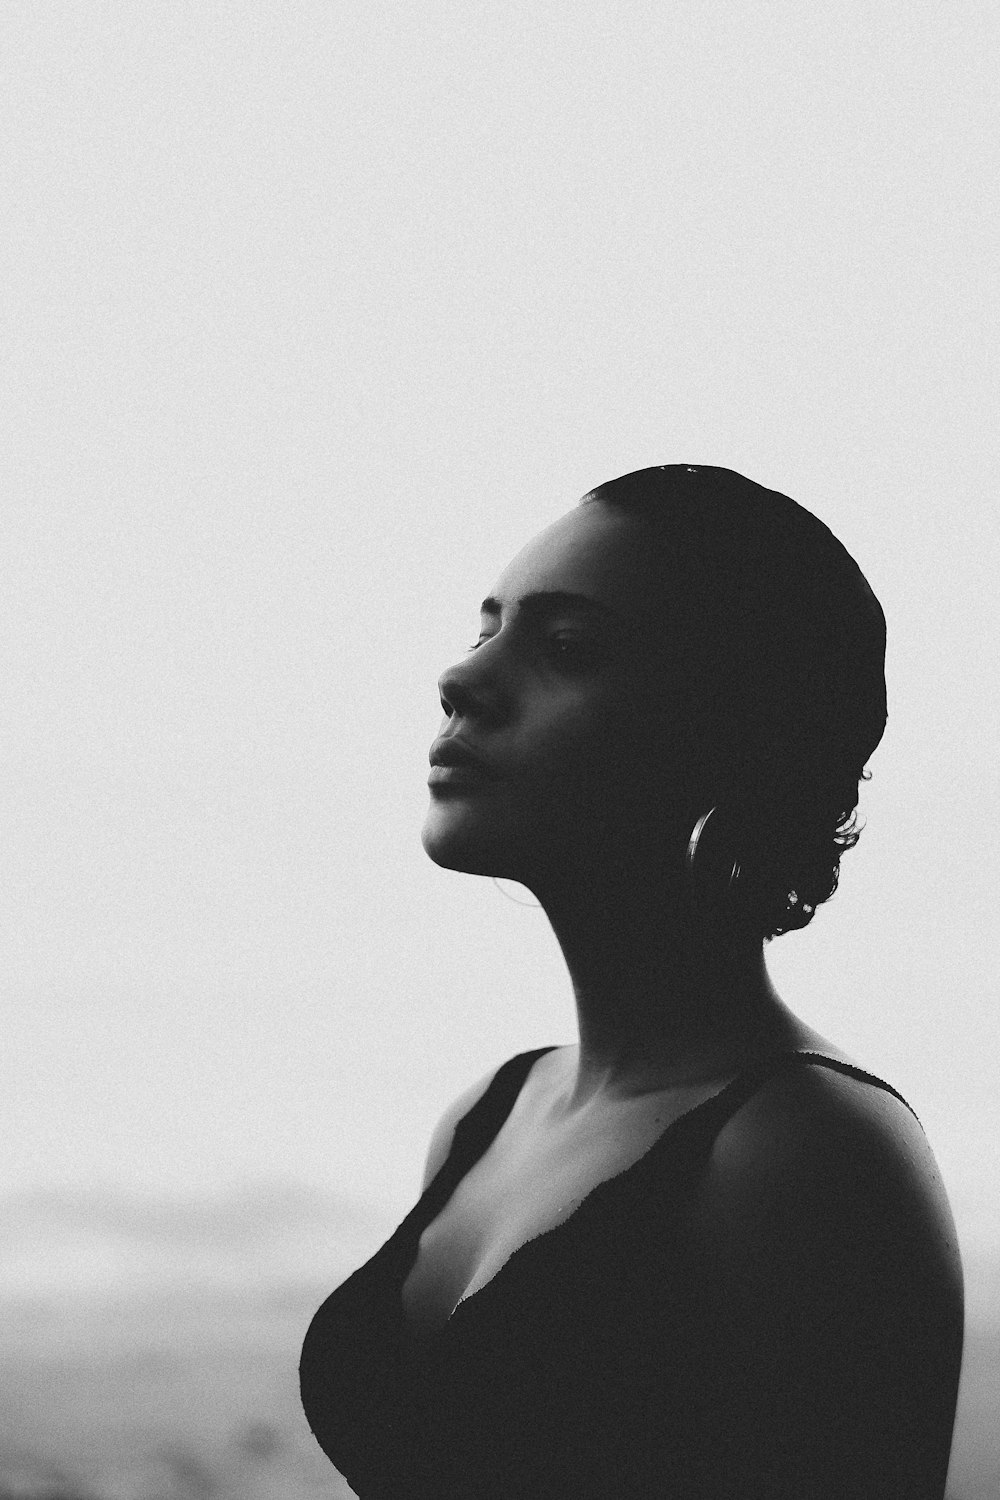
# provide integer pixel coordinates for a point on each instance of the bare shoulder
(444, 1130)
(849, 1154)
(826, 1236)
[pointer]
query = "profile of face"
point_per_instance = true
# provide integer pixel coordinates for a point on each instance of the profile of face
(562, 700)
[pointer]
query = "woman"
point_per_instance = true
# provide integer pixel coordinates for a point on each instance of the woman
(700, 1252)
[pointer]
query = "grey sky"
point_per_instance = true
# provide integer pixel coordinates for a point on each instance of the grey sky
(313, 314)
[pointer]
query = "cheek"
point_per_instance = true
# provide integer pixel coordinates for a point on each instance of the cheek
(603, 740)
(575, 755)
(623, 776)
(591, 770)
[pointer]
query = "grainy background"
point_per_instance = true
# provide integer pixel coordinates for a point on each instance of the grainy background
(312, 314)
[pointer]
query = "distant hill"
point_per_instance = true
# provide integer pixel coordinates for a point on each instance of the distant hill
(91, 1241)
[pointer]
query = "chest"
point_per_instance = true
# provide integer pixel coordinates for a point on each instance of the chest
(527, 1182)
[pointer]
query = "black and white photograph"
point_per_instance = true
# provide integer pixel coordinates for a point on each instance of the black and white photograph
(499, 795)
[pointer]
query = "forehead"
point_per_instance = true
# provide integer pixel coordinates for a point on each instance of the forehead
(592, 550)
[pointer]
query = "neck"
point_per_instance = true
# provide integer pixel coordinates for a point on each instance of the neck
(661, 1001)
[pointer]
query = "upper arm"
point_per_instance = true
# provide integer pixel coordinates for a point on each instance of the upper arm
(826, 1238)
(444, 1130)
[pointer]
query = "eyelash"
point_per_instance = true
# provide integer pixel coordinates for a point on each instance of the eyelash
(575, 647)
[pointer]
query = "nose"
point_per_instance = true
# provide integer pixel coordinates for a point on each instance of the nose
(457, 696)
(466, 689)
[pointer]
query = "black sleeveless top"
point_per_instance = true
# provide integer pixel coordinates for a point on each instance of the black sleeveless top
(580, 1371)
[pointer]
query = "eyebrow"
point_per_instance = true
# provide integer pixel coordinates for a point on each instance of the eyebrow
(551, 600)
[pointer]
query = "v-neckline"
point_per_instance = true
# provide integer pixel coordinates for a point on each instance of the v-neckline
(616, 1179)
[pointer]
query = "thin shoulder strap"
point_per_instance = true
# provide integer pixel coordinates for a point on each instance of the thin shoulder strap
(477, 1128)
(493, 1106)
(860, 1073)
(746, 1085)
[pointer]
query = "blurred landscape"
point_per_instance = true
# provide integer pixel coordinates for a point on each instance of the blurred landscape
(150, 1346)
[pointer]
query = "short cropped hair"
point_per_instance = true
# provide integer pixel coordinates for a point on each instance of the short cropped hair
(777, 646)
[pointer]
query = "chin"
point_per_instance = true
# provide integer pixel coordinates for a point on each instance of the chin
(457, 843)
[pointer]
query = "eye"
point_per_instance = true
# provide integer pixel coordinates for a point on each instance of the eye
(564, 648)
(568, 648)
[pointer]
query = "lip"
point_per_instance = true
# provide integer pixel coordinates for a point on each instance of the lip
(459, 776)
(453, 754)
(454, 764)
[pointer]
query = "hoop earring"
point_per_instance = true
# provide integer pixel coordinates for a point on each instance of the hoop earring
(692, 850)
(536, 904)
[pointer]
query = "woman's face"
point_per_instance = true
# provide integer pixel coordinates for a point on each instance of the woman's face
(563, 700)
